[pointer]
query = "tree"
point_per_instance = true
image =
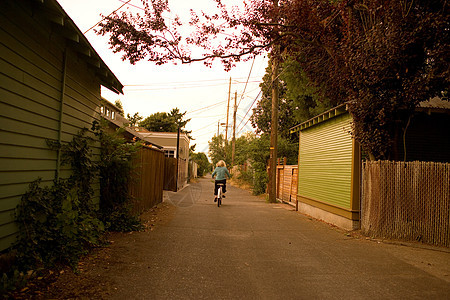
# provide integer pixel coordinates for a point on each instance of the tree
(165, 122)
(119, 105)
(381, 56)
(244, 34)
(204, 166)
(134, 120)
(299, 100)
(219, 149)
(159, 122)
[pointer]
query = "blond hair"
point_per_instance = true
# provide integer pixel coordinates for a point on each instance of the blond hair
(221, 163)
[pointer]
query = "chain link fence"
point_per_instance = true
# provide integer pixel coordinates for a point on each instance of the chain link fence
(407, 201)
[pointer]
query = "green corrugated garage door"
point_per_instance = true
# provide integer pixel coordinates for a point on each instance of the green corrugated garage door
(325, 161)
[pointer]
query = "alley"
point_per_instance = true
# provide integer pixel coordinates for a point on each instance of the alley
(251, 249)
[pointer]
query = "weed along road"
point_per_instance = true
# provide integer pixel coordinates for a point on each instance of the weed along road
(250, 249)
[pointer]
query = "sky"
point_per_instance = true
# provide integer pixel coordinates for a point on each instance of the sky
(200, 91)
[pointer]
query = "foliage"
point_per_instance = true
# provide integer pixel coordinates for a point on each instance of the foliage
(165, 122)
(13, 280)
(398, 57)
(288, 148)
(151, 37)
(259, 155)
(253, 151)
(116, 167)
(305, 99)
(78, 155)
(58, 223)
(298, 100)
(122, 219)
(384, 57)
(203, 163)
(219, 149)
(134, 119)
(54, 229)
(119, 105)
(381, 56)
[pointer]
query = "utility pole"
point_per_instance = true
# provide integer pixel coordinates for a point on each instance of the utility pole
(272, 186)
(218, 124)
(228, 110)
(234, 130)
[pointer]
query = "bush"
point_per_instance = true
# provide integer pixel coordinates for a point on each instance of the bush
(260, 178)
(58, 223)
(116, 170)
(53, 227)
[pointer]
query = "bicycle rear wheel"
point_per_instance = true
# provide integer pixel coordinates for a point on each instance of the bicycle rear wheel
(219, 197)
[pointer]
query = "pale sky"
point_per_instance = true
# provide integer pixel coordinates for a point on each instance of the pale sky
(195, 88)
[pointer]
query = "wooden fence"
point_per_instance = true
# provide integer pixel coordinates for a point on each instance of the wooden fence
(287, 182)
(146, 190)
(407, 201)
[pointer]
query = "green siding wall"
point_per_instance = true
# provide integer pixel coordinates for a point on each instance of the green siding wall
(31, 72)
(325, 159)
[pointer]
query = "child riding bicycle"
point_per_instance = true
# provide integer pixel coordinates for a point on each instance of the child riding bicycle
(221, 173)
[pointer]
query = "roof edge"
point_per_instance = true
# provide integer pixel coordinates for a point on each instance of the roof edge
(331, 113)
(76, 40)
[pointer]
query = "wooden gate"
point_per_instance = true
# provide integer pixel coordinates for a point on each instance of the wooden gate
(170, 174)
(287, 181)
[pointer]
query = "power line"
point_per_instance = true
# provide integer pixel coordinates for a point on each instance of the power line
(271, 83)
(107, 16)
(225, 80)
(248, 112)
(135, 6)
(245, 87)
(170, 87)
(206, 107)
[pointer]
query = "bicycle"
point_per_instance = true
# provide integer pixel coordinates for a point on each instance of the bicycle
(219, 194)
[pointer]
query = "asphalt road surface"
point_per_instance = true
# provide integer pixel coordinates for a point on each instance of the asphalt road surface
(250, 249)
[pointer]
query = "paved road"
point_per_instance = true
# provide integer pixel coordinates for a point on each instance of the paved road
(249, 249)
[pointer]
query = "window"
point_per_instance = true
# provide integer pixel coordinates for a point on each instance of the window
(169, 153)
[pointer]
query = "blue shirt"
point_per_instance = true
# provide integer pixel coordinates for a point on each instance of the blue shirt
(221, 173)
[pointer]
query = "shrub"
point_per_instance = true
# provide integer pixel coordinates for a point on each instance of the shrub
(116, 170)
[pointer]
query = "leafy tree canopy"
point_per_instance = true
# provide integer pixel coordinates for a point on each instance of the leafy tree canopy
(134, 119)
(165, 122)
(203, 163)
(219, 149)
(381, 56)
(119, 105)
(299, 100)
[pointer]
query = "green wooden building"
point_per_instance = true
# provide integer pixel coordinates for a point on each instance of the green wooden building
(329, 169)
(329, 162)
(50, 79)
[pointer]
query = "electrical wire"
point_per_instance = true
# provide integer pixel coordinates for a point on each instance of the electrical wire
(248, 78)
(107, 16)
(206, 107)
(271, 83)
(247, 113)
(135, 6)
(169, 88)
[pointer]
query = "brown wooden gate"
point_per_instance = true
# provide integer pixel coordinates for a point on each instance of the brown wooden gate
(287, 180)
(170, 174)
